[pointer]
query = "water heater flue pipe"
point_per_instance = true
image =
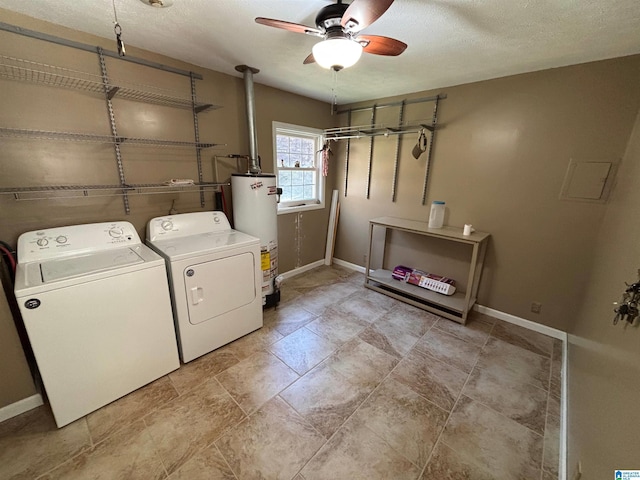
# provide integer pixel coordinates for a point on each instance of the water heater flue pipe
(248, 72)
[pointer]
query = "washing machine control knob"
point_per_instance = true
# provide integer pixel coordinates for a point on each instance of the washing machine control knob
(42, 242)
(216, 219)
(166, 225)
(116, 232)
(61, 239)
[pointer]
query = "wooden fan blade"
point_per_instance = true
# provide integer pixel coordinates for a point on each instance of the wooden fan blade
(362, 13)
(309, 59)
(382, 45)
(292, 27)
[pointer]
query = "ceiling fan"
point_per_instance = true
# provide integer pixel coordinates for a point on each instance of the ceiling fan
(339, 25)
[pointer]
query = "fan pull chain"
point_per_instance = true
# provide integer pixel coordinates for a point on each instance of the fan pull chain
(118, 31)
(334, 90)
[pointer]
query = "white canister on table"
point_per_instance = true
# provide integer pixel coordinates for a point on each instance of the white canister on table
(436, 217)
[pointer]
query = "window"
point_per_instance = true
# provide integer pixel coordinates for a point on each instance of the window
(298, 167)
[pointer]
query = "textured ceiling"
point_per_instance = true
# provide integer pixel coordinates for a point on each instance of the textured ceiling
(450, 41)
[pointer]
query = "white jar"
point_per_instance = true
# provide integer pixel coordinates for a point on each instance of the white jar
(436, 217)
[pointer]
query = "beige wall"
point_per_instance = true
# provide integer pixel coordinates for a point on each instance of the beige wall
(35, 162)
(499, 161)
(604, 360)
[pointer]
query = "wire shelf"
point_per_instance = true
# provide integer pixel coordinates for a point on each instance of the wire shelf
(94, 138)
(77, 191)
(364, 131)
(12, 68)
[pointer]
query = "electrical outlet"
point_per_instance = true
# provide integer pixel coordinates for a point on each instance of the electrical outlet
(536, 307)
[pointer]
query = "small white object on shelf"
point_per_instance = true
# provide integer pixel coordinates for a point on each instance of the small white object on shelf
(180, 181)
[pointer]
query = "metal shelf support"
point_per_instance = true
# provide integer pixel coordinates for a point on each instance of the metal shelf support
(114, 131)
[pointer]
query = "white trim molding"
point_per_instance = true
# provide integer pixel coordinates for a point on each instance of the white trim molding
(528, 324)
(21, 406)
(350, 266)
(299, 270)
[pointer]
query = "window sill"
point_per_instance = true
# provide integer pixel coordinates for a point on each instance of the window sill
(300, 208)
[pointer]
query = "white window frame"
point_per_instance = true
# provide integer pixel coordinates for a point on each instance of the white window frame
(280, 128)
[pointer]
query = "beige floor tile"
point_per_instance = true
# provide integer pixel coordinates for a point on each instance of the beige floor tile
(554, 406)
(288, 318)
(389, 338)
(187, 424)
(413, 320)
(555, 383)
(273, 443)
(475, 331)
(449, 349)
(31, 444)
(202, 369)
(302, 350)
(325, 398)
(524, 338)
(336, 327)
(503, 358)
(132, 407)
(207, 464)
(256, 379)
(519, 401)
(355, 452)
(319, 299)
(557, 349)
(357, 307)
(129, 454)
(445, 464)
(316, 277)
(288, 295)
(436, 381)
(551, 457)
(254, 342)
(405, 420)
(361, 363)
(380, 300)
(482, 436)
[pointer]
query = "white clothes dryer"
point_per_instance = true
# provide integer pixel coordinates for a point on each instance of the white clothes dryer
(96, 307)
(215, 279)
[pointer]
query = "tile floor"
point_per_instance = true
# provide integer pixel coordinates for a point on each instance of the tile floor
(340, 383)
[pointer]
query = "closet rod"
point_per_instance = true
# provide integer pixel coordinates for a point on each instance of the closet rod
(433, 98)
(89, 48)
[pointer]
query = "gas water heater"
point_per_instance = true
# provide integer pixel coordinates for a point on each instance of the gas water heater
(255, 212)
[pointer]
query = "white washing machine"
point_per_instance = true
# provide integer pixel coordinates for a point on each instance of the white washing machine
(215, 278)
(96, 307)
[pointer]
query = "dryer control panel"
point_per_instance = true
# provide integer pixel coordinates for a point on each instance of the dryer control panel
(186, 224)
(75, 240)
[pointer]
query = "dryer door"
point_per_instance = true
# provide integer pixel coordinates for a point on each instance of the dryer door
(219, 286)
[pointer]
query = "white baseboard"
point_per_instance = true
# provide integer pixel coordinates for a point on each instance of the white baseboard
(528, 324)
(299, 270)
(20, 406)
(563, 407)
(350, 266)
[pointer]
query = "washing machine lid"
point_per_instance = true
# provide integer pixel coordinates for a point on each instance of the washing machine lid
(66, 271)
(63, 268)
(205, 243)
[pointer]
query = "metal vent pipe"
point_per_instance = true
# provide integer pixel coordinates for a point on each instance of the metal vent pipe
(254, 165)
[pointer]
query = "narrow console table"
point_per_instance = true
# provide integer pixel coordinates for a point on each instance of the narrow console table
(455, 307)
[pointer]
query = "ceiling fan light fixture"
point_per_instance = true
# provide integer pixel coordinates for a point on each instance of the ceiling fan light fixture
(337, 53)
